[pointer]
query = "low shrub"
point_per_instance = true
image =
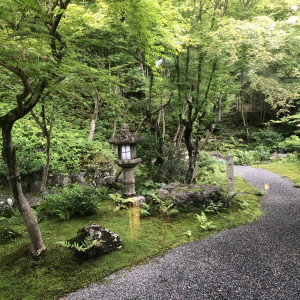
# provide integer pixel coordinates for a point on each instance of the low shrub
(161, 161)
(69, 202)
(248, 157)
(291, 144)
(145, 210)
(204, 223)
(262, 153)
(209, 169)
(244, 157)
(267, 137)
(7, 235)
(292, 157)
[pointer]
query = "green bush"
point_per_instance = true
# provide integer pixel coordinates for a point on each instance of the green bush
(209, 169)
(161, 162)
(292, 157)
(70, 202)
(267, 137)
(291, 144)
(28, 145)
(204, 223)
(244, 157)
(262, 153)
(70, 149)
(145, 210)
(174, 164)
(122, 203)
(248, 157)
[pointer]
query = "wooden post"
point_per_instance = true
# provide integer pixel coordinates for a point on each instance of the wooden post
(230, 175)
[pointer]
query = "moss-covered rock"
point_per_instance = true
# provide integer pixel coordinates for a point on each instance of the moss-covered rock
(192, 196)
(96, 240)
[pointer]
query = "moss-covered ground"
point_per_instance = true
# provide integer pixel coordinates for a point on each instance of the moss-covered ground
(59, 272)
(290, 170)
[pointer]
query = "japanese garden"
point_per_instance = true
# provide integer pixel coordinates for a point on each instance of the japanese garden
(135, 128)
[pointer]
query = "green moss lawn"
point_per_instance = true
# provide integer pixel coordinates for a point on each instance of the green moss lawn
(59, 272)
(290, 170)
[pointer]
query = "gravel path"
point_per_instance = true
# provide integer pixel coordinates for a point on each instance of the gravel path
(260, 260)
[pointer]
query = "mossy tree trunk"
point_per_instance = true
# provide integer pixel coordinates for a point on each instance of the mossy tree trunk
(47, 133)
(26, 101)
(14, 178)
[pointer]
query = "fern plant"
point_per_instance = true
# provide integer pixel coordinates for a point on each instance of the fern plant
(164, 207)
(120, 202)
(213, 207)
(188, 233)
(86, 245)
(204, 223)
(145, 210)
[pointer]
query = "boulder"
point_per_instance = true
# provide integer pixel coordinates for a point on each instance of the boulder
(106, 181)
(34, 187)
(7, 235)
(192, 196)
(109, 180)
(101, 174)
(58, 179)
(79, 178)
(276, 155)
(101, 169)
(7, 204)
(101, 240)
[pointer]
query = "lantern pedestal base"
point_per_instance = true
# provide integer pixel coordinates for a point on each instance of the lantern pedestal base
(129, 182)
(138, 200)
(127, 166)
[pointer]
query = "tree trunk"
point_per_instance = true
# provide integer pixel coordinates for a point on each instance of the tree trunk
(47, 165)
(178, 134)
(145, 118)
(14, 178)
(156, 129)
(213, 125)
(163, 125)
(47, 134)
(190, 175)
(94, 117)
(148, 112)
(245, 123)
(193, 151)
(114, 127)
(178, 144)
(225, 8)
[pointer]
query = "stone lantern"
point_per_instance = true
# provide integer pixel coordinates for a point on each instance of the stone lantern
(126, 143)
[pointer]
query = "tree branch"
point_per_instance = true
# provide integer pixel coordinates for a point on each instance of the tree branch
(16, 114)
(25, 80)
(152, 113)
(38, 121)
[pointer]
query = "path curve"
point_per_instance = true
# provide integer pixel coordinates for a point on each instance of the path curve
(256, 261)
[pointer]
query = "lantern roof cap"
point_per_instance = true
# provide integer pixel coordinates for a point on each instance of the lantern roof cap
(125, 137)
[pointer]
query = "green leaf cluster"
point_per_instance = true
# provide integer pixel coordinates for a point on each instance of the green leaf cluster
(70, 202)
